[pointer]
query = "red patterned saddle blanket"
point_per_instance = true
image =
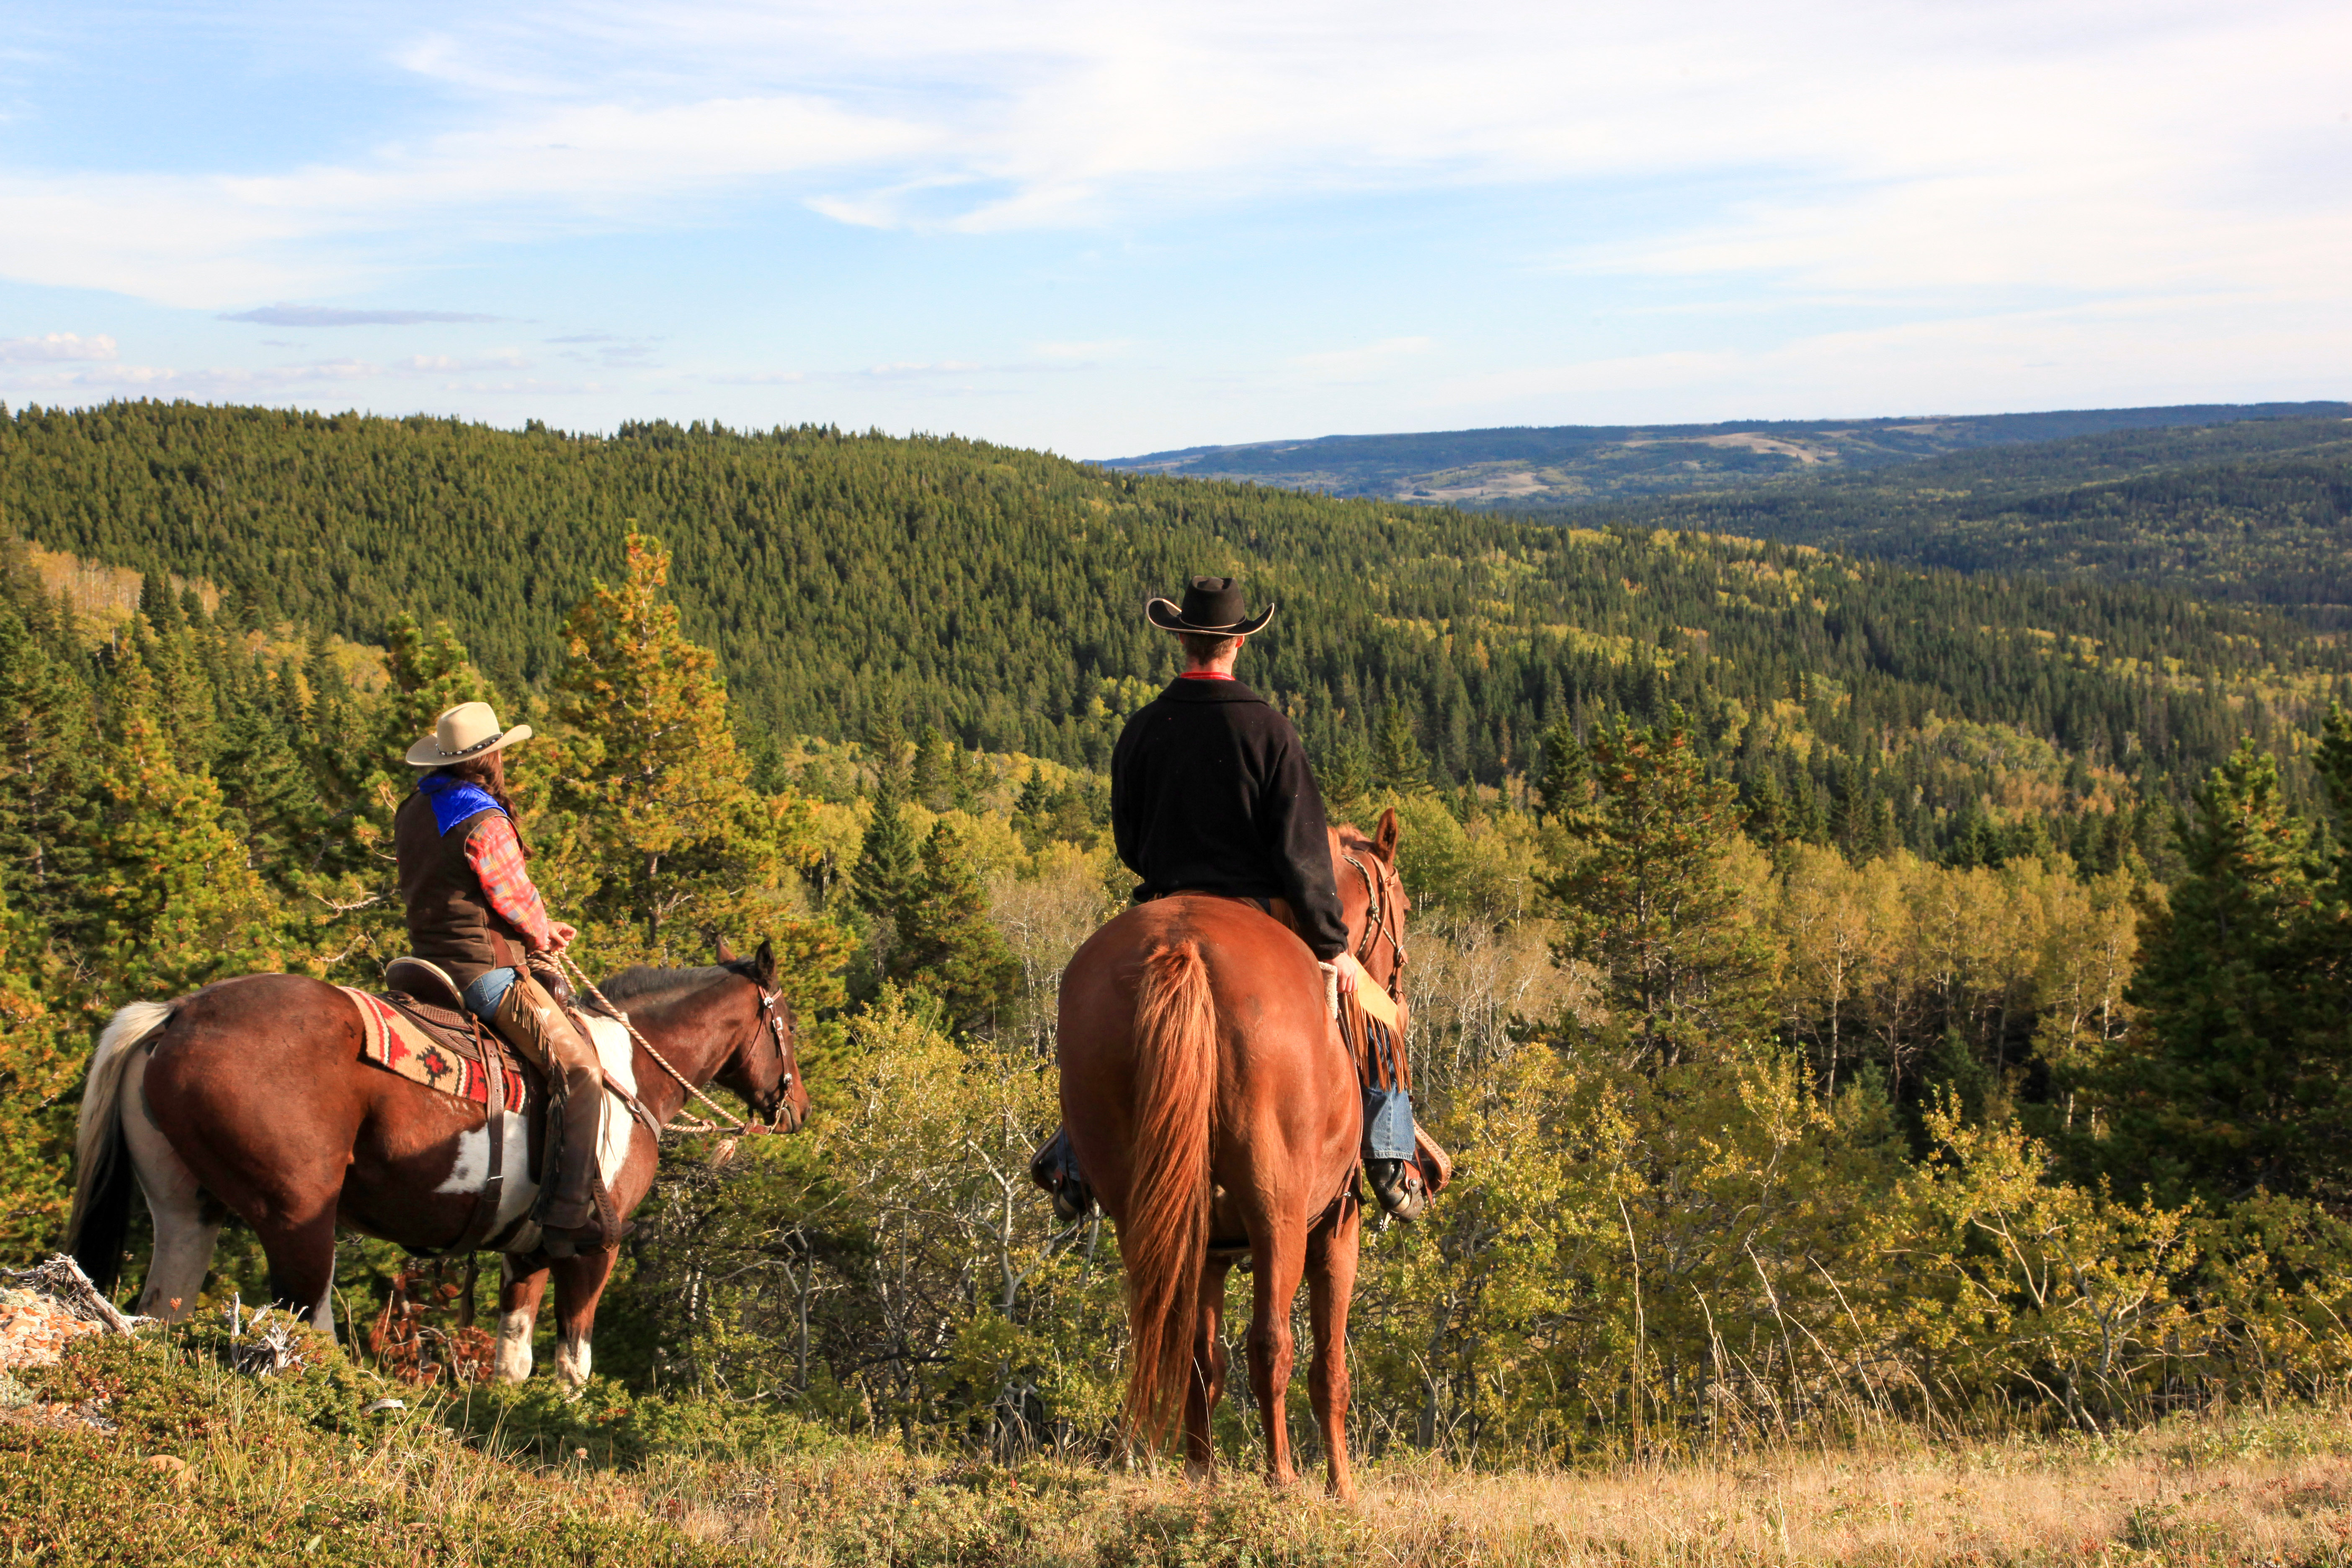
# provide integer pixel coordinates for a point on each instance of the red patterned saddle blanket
(442, 1056)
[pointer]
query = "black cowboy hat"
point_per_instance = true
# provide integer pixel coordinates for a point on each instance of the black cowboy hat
(1212, 604)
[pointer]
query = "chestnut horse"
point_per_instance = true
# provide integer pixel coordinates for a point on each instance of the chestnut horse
(1214, 1110)
(250, 1098)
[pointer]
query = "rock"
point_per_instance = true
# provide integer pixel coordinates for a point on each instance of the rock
(173, 1469)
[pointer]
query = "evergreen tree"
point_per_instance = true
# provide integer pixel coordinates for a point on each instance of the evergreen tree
(170, 902)
(889, 858)
(270, 793)
(1403, 769)
(1347, 777)
(661, 831)
(946, 942)
(1654, 904)
(934, 777)
(45, 745)
(2238, 1074)
(1566, 781)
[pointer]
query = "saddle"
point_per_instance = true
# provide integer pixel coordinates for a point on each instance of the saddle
(418, 1028)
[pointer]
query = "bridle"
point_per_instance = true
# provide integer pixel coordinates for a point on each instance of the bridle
(1377, 927)
(777, 1019)
(770, 1015)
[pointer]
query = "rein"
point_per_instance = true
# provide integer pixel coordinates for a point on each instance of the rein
(739, 1126)
(1376, 923)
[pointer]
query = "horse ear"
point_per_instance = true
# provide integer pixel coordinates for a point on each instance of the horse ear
(725, 949)
(1384, 840)
(765, 962)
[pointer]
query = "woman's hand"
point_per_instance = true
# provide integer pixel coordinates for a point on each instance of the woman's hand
(561, 936)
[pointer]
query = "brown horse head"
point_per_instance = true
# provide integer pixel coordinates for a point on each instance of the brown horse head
(762, 1066)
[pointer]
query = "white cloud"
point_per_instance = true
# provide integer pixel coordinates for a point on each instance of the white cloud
(1360, 363)
(1901, 144)
(55, 346)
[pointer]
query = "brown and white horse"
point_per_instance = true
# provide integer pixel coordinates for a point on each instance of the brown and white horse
(250, 1098)
(1214, 1110)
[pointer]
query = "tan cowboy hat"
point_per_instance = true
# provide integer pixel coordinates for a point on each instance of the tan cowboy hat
(468, 729)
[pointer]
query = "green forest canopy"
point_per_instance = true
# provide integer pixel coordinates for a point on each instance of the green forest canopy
(997, 593)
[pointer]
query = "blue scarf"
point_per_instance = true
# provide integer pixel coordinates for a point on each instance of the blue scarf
(454, 799)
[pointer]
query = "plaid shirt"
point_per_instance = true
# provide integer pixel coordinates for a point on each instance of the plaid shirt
(496, 856)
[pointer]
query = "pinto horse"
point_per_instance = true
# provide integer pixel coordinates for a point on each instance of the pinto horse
(250, 1098)
(1214, 1110)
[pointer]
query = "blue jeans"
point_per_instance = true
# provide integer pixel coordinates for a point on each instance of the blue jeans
(1388, 1124)
(483, 996)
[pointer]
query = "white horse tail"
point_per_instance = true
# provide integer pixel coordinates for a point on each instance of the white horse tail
(104, 1176)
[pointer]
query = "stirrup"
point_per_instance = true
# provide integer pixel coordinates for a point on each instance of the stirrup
(1397, 1186)
(1055, 1169)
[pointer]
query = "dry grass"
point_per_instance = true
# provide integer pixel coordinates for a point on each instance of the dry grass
(2242, 1489)
(2154, 1501)
(296, 1472)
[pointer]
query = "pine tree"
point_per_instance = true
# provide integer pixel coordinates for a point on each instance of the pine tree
(947, 943)
(889, 858)
(663, 835)
(170, 902)
(1403, 770)
(934, 780)
(2237, 1074)
(1654, 905)
(1566, 783)
(45, 746)
(1348, 776)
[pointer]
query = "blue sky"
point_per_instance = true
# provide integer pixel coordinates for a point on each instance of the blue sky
(1111, 229)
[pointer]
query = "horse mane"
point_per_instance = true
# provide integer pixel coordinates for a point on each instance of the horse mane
(644, 982)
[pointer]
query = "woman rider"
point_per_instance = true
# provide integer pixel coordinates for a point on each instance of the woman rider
(472, 911)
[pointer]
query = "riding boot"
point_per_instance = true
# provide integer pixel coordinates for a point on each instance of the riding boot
(1055, 1169)
(574, 1212)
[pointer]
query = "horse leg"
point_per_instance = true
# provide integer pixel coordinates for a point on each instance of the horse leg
(1208, 1371)
(1278, 1248)
(1332, 1254)
(301, 1253)
(186, 1223)
(579, 1285)
(520, 1289)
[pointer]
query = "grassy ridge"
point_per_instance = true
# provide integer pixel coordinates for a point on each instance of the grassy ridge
(198, 1463)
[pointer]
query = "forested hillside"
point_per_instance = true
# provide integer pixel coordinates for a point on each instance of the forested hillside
(1531, 466)
(1767, 1128)
(993, 593)
(2254, 512)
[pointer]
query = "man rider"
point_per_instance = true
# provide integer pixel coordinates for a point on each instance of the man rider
(472, 911)
(1211, 793)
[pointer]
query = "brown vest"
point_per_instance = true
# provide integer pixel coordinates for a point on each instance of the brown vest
(450, 920)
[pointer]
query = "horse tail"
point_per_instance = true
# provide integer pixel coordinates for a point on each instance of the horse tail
(1165, 1238)
(104, 1176)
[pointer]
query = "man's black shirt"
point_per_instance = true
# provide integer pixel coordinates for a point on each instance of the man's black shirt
(1210, 792)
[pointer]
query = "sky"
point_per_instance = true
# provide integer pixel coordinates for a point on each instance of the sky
(1107, 229)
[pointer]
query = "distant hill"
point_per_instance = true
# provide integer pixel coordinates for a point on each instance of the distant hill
(1566, 465)
(2257, 511)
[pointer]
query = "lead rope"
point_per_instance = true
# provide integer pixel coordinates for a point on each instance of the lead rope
(740, 1126)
